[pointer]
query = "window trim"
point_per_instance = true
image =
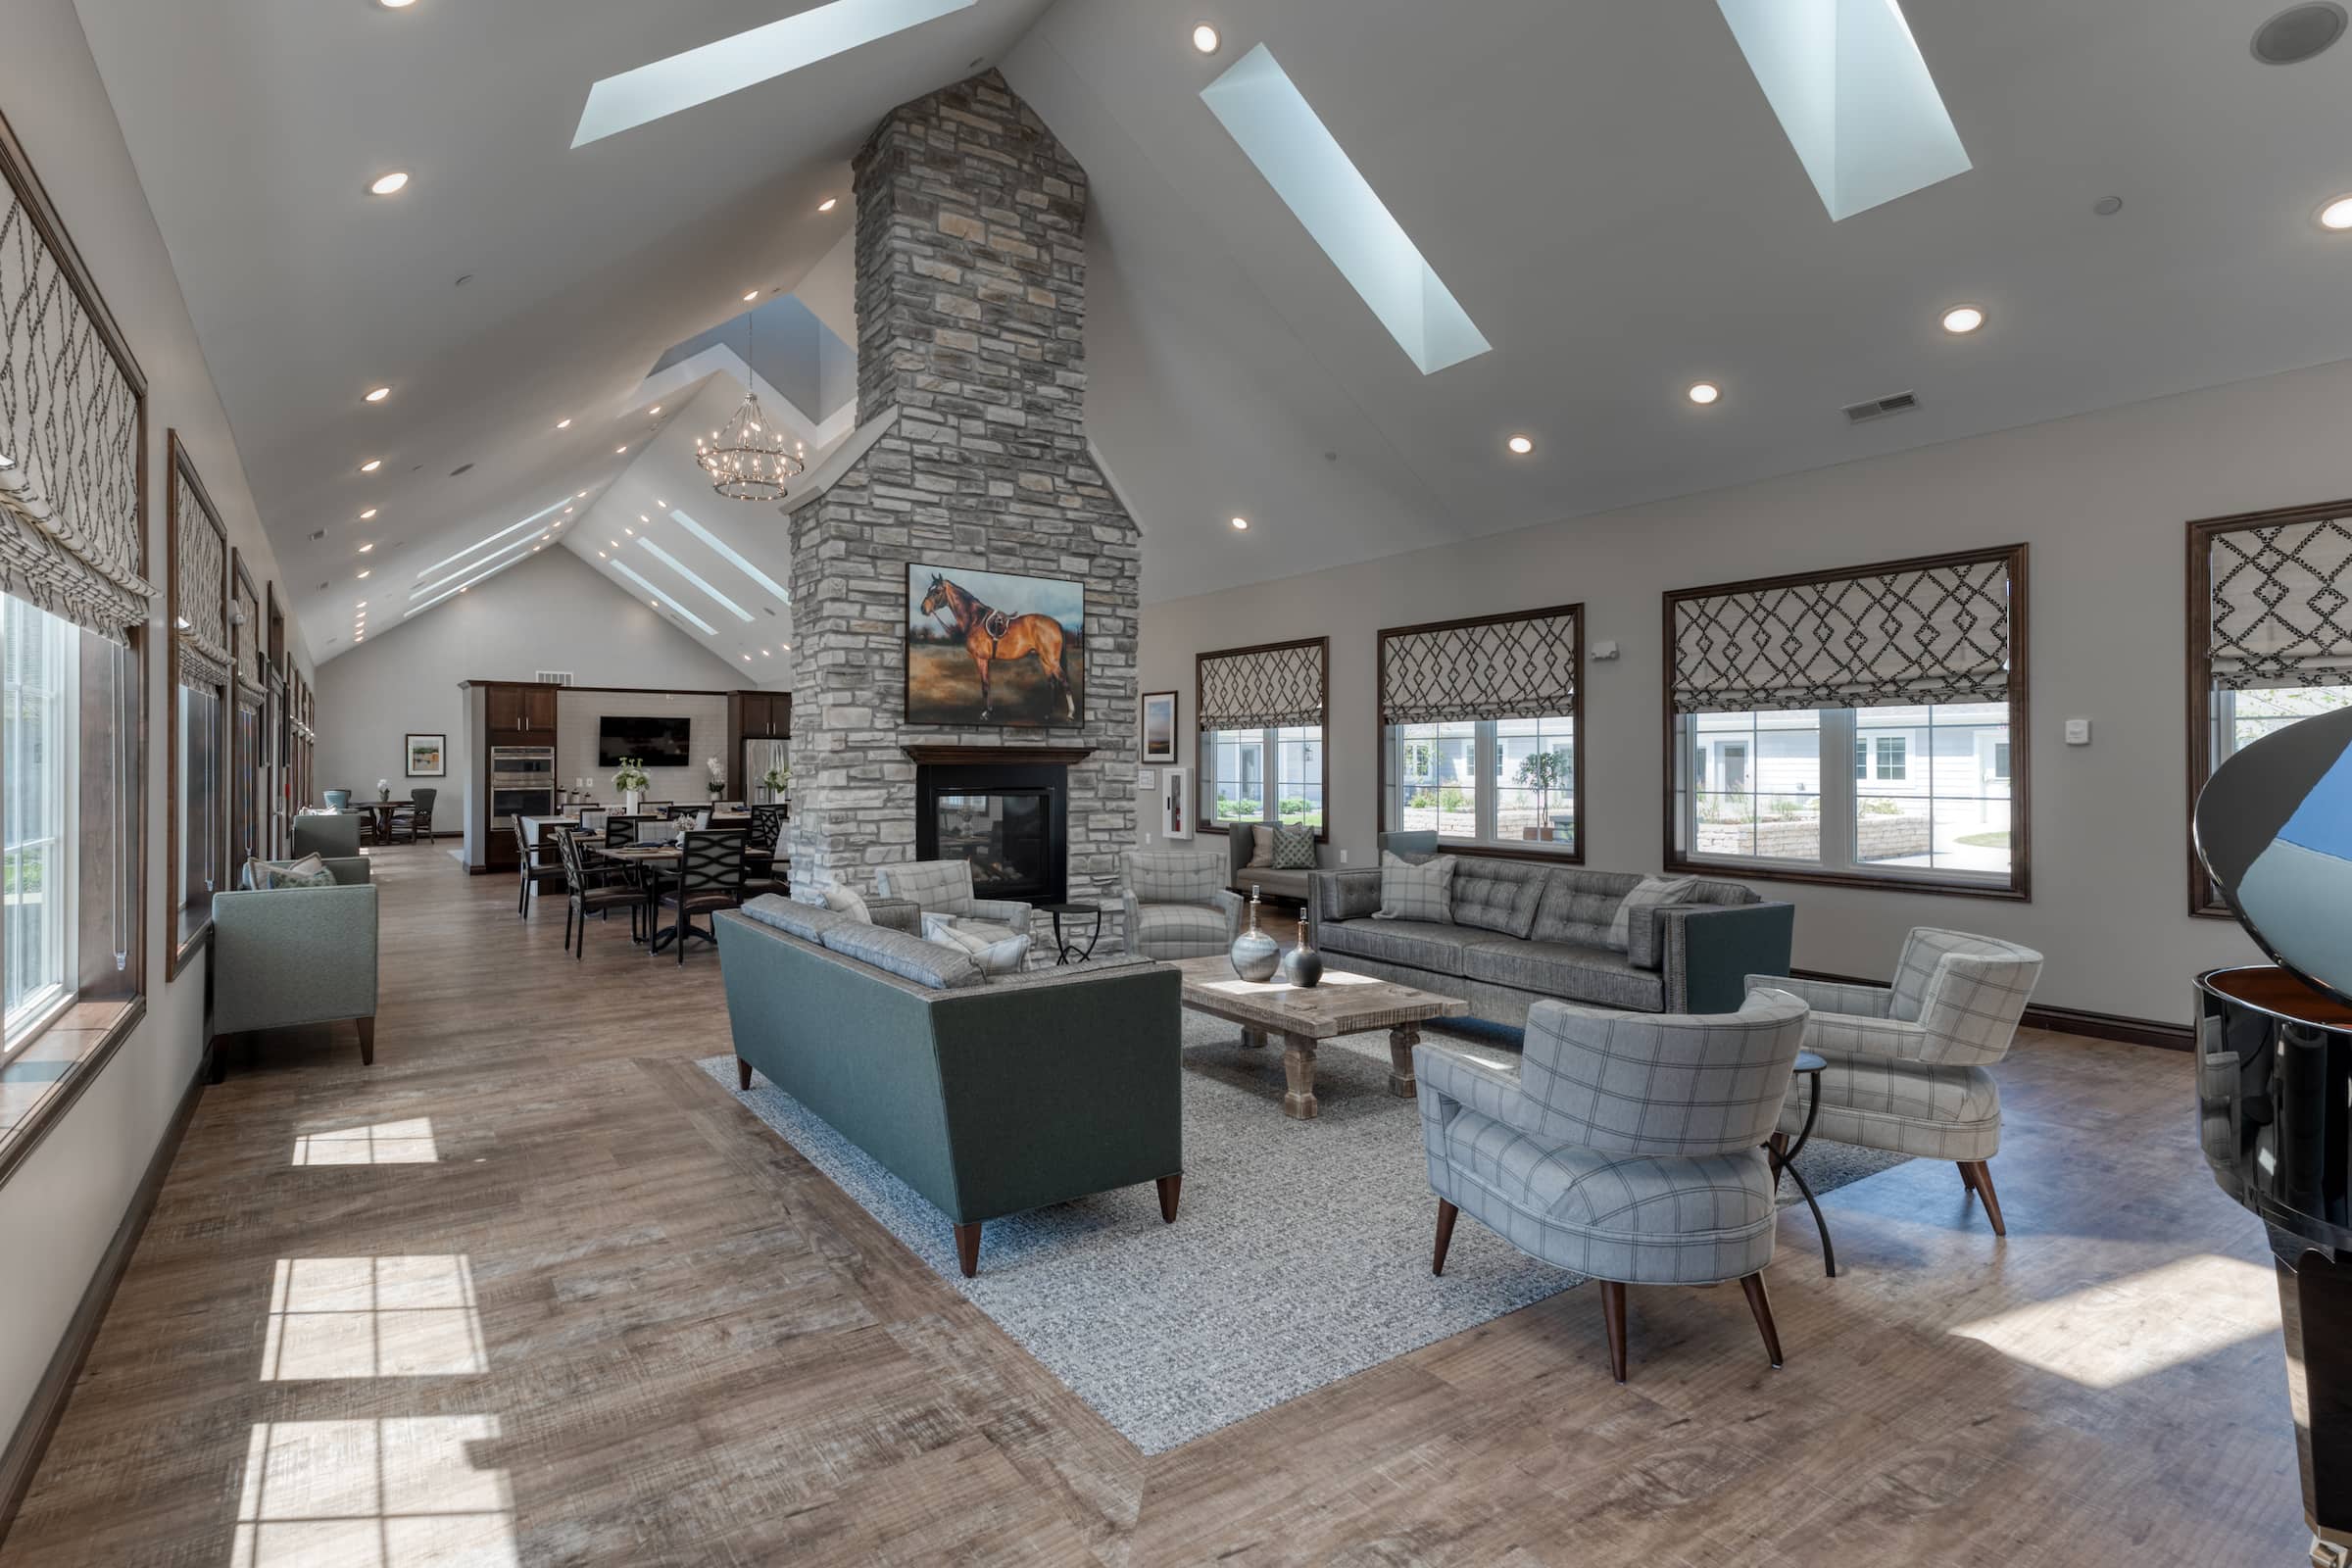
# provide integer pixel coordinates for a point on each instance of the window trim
(1322, 646)
(1575, 715)
(2205, 901)
(177, 954)
(2019, 887)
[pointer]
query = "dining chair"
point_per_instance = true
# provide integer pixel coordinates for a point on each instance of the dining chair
(417, 819)
(541, 863)
(336, 800)
(590, 892)
(592, 819)
(768, 825)
(619, 831)
(710, 879)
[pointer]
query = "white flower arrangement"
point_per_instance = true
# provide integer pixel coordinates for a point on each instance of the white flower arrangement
(716, 784)
(383, 789)
(630, 775)
(779, 778)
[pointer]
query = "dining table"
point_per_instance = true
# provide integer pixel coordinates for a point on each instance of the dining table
(379, 816)
(653, 862)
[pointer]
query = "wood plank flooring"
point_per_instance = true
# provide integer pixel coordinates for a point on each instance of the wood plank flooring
(692, 1350)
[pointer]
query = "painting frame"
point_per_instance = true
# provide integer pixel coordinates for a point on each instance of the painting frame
(434, 753)
(1157, 738)
(997, 649)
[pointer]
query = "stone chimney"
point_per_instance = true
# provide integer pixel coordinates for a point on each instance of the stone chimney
(971, 316)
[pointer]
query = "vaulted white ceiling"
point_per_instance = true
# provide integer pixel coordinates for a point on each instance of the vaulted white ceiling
(1605, 189)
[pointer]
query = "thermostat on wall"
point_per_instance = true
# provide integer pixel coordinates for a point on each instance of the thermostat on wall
(2077, 732)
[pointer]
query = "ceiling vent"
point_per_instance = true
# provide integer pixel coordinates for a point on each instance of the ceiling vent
(1879, 408)
(2297, 34)
(554, 677)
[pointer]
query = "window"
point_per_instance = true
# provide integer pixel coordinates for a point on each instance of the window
(2270, 641)
(201, 683)
(1478, 723)
(1263, 754)
(37, 743)
(1908, 779)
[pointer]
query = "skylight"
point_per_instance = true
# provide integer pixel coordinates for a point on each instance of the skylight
(687, 572)
(472, 565)
(479, 544)
(680, 83)
(1853, 93)
(728, 554)
(637, 577)
(491, 572)
(1282, 134)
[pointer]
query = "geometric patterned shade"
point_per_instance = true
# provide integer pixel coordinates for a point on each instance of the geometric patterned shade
(1262, 688)
(248, 636)
(2278, 613)
(1917, 634)
(200, 548)
(1520, 666)
(70, 433)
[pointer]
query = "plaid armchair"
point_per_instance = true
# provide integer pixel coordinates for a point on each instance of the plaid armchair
(1906, 1061)
(944, 887)
(1176, 904)
(1625, 1146)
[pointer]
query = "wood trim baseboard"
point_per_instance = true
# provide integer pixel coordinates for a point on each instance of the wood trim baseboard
(30, 1441)
(2067, 1020)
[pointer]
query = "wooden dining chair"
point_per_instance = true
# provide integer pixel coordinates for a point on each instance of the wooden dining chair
(710, 879)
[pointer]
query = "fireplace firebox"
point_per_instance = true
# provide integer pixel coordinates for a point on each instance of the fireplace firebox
(1010, 820)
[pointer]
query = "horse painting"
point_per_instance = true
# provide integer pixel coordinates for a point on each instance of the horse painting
(998, 640)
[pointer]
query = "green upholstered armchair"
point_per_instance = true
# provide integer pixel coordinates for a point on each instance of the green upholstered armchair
(296, 956)
(335, 837)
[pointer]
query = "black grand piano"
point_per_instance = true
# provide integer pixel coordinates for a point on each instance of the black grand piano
(2275, 1068)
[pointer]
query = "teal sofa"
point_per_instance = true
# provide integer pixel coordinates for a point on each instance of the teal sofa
(287, 957)
(986, 1097)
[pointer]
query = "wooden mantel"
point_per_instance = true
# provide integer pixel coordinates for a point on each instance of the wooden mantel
(987, 755)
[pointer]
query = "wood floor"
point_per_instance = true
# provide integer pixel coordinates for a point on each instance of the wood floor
(655, 1335)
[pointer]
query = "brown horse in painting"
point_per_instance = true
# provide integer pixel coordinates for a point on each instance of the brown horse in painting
(990, 635)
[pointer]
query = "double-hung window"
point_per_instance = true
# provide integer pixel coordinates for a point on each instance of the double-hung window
(2270, 638)
(1262, 752)
(201, 684)
(1480, 720)
(1862, 727)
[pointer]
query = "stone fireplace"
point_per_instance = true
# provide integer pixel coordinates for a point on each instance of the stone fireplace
(971, 454)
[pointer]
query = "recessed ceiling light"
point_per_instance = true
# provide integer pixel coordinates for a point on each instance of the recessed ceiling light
(562, 424)
(599, 554)
(363, 574)
(617, 451)
(371, 464)
(631, 533)
(363, 549)
(2299, 32)
(1703, 393)
(786, 647)
(658, 502)
(2108, 206)
(1242, 524)
(396, 5)
(828, 204)
(388, 185)
(747, 658)
(752, 295)
(2337, 214)
(363, 605)
(764, 654)
(1521, 445)
(655, 409)
(1962, 319)
(642, 517)
(380, 394)
(370, 512)
(1205, 39)
(582, 495)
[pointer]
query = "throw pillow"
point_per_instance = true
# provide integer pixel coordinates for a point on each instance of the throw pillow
(846, 901)
(990, 948)
(1261, 857)
(1294, 848)
(1409, 892)
(308, 872)
(1646, 896)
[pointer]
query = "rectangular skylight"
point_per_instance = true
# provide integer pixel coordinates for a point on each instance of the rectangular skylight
(683, 570)
(493, 539)
(1282, 134)
(526, 539)
(730, 65)
(638, 578)
(458, 588)
(727, 552)
(1853, 93)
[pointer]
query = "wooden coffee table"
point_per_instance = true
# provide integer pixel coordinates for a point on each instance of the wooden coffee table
(1342, 1004)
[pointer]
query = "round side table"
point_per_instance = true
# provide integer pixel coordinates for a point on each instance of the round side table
(1809, 1065)
(1067, 951)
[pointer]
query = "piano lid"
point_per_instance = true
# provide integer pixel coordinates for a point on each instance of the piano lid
(2273, 827)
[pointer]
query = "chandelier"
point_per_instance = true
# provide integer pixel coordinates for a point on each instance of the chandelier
(746, 458)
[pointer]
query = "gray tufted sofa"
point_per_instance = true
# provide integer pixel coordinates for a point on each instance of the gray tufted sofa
(1523, 931)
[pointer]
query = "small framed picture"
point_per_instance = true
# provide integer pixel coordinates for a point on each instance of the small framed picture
(1159, 726)
(1175, 803)
(428, 756)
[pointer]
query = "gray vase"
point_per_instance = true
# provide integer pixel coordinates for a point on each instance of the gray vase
(1303, 965)
(1255, 956)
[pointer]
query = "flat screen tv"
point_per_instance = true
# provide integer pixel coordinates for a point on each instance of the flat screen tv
(654, 742)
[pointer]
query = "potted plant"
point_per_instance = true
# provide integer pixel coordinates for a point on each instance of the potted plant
(1543, 772)
(717, 783)
(629, 782)
(776, 780)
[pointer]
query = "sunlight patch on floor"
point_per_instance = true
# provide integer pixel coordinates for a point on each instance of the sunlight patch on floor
(373, 1317)
(401, 1493)
(2105, 1335)
(386, 1142)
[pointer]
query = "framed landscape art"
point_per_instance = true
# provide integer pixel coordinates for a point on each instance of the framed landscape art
(1159, 727)
(428, 756)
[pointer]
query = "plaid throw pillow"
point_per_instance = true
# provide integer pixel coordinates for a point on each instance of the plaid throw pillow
(1293, 848)
(1648, 896)
(1409, 892)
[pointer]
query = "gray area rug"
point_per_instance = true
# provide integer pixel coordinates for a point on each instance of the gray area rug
(1301, 1254)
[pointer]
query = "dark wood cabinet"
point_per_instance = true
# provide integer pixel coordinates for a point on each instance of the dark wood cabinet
(519, 713)
(753, 715)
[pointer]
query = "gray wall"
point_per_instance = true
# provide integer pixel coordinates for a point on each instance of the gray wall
(2102, 499)
(552, 613)
(61, 1207)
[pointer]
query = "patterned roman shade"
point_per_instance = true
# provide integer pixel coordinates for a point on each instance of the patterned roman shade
(251, 673)
(1515, 666)
(2280, 611)
(200, 587)
(70, 430)
(1263, 688)
(1905, 633)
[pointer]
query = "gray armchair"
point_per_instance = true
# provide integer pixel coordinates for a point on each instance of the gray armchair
(296, 956)
(944, 887)
(335, 837)
(1906, 1063)
(1628, 1148)
(1174, 904)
